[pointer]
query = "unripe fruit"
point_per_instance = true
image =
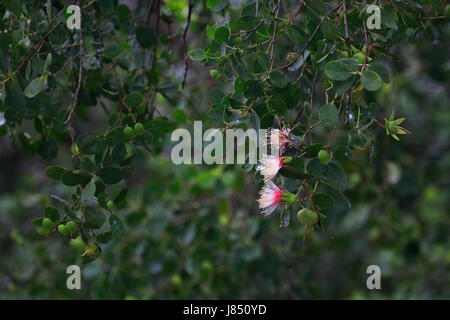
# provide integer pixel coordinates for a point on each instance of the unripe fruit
(307, 217)
(47, 223)
(71, 227)
(139, 129)
(323, 156)
(110, 205)
(129, 132)
(359, 57)
(62, 229)
(215, 74)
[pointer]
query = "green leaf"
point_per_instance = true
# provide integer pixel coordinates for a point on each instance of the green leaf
(94, 218)
(329, 115)
(145, 37)
(357, 140)
(197, 54)
(293, 173)
(323, 200)
(342, 153)
(216, 5)
(247, 22)
(121, 196)
(315, 167)
(221, 34)
(180, 116)
(338, 71)
(123, 12)
(277, 105)
(216, 95)
(370, 80)
(52, 213)
(48, 62)
(389, 17)
(329, 31)
(116, 136)
(278, 79)
(55, 172)
(104, 237)
(110, 175)
(71, 178)
(35, 86)
(133, 100)
(116, 226)
(118, 153)
(88, 191)
(254, 89)
(112, 50)
(336, 177)
(240, 85)
(381, 70)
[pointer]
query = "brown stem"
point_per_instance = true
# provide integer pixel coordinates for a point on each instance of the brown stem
(188, 22)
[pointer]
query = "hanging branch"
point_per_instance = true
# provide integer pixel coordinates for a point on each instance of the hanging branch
(158, 18)
(188, 22)
(272, 50)
(78, 85)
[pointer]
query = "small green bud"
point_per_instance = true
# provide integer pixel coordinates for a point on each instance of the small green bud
(110, 205)
(215, 74)
(291, 56)
(139, 129)
(307, 217)
(47, 223)
(288, 197)
(62, 229)
(323, 156)
(71, 227)
(129, 132)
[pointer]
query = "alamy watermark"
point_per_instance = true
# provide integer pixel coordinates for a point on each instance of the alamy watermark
(74, 280)
(374, 280)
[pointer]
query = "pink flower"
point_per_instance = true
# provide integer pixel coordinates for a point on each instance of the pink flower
(270, 198)
(269, 166)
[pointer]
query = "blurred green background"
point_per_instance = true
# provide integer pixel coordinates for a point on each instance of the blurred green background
(194, 232)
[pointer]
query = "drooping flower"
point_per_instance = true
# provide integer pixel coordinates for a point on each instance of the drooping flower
(279, 137)
(269, 198)
(270, 165)
(2, 118)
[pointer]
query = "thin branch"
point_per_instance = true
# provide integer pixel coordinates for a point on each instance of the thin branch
(188, 22)
(308, 42)
(251, 31)
(77, 90)
(347, 40)
(272, 50)
(158, 18)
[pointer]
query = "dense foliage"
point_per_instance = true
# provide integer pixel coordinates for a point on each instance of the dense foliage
(86, 173)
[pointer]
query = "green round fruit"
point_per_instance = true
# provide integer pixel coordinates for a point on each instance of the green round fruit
(47, 223)
(129, 132)
(307, 217)
(215, 74)
(62, 229)
(359, 57)
(71, 227)
(139, 129)
(323, 156)
(110, 205)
